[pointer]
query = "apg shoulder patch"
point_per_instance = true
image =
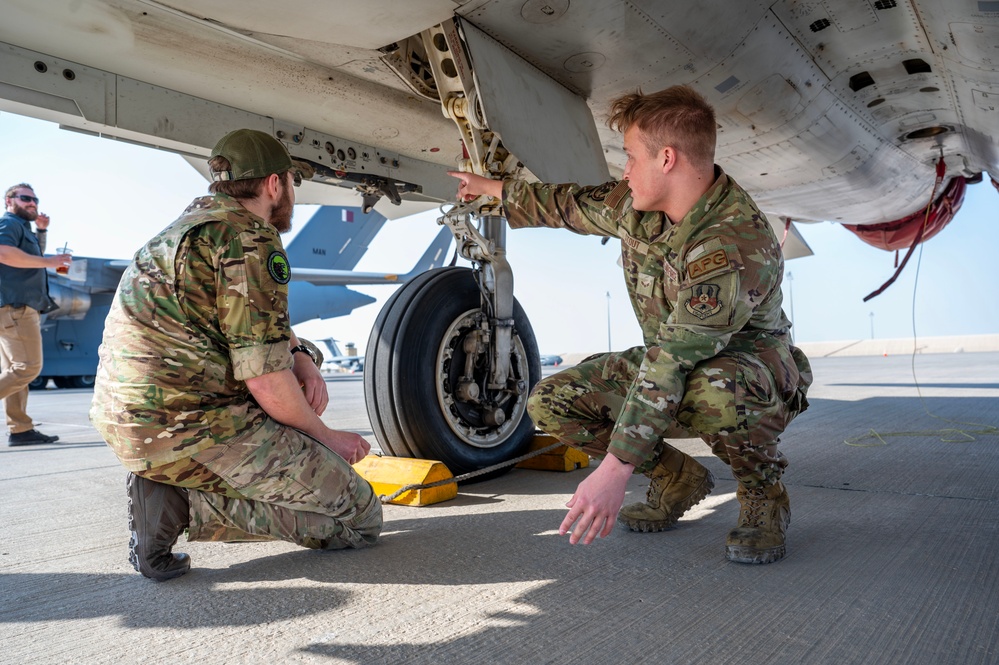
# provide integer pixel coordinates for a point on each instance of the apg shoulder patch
(707, 264)
(278, 267)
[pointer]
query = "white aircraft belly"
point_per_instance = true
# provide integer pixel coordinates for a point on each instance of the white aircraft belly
(798, 126)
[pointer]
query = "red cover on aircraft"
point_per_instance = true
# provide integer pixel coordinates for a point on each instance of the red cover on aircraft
(901, 233)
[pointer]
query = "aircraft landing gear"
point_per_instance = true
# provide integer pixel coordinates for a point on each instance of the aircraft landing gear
(429, 375)
(75, 381)
(82, 381)
(452, 358)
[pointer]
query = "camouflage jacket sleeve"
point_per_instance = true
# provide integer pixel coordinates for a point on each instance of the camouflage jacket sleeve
(583, 210)
(252, 304)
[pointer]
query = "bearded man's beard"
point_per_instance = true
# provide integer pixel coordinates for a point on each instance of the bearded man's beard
(282, 211)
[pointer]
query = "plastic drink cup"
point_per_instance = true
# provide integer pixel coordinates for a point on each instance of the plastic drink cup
(64, 270)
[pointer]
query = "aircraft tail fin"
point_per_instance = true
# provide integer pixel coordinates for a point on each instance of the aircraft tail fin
(331, 346)
(435, 256)
(335, 237)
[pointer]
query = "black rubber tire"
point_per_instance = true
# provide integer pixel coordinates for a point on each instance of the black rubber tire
(39, 383)
(82, 381)
(403, 367)
(378, 375)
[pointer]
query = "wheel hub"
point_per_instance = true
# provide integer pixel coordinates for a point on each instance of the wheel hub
(480, 414)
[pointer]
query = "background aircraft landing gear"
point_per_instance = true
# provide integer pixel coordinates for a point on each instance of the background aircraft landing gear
(75, 381)
(84, 381)
(427, 369)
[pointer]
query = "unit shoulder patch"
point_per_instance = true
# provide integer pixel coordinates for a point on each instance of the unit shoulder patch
(710, 303)
(278, 267)
(704, 301)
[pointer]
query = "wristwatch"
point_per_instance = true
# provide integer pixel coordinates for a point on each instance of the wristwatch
(301, 348)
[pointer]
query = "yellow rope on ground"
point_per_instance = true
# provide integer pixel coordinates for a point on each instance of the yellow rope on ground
(947, 435)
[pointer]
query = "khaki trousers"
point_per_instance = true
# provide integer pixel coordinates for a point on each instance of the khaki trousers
(20, 362)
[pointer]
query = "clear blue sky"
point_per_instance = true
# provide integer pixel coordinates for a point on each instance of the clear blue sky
(106, 198)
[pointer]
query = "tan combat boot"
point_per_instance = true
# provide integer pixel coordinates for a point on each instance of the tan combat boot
(764, 517)
(678, 483)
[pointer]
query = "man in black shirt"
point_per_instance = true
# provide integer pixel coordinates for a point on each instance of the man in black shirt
(24, 295)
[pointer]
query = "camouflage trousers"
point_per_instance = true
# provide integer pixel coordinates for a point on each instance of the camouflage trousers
(275, 483)
(731, 402)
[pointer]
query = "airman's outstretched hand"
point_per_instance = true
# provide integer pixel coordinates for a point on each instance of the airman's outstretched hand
(594, 507)
(473, 186)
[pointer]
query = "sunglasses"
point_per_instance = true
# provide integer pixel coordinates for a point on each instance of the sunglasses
(296, 178)
(25, 198)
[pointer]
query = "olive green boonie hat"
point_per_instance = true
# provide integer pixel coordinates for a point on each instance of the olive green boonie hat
(254, 154)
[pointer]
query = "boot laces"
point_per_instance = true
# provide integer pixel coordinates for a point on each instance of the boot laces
(131, 512)
(657, 487)
(756, 509)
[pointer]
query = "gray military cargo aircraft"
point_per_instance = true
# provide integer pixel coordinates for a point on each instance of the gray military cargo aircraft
(322, 256)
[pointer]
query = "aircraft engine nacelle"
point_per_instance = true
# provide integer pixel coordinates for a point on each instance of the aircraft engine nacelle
(73, 303)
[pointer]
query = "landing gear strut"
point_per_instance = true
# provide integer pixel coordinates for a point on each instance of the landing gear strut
(452, 357)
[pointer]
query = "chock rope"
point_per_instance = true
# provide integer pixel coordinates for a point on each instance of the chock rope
(466, 476)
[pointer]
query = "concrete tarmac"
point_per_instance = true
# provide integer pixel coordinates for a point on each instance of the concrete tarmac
(893, 554)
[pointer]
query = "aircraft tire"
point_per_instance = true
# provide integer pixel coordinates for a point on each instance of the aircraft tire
(82, 381)
(378, 371)
(415, 352)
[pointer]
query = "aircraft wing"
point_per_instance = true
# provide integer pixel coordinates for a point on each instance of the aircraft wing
(838, 110)
(433, 258)
(316, 193)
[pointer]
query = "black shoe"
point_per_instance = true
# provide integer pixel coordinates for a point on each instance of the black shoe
(157, 514)
(29, 438)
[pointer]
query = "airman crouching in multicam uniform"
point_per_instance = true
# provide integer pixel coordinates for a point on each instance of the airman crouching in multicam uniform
(206, 395)
(703, 271)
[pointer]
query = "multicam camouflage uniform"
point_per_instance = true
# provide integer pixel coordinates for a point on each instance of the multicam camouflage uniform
(202, 308)
(717, 361)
